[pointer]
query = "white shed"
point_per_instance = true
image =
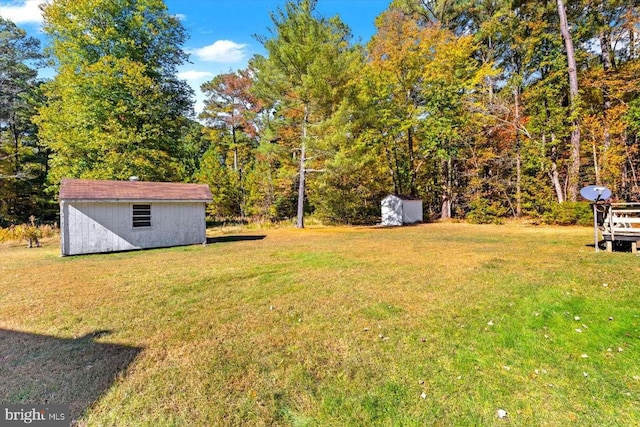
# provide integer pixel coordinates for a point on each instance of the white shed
(399, 210)
(110, 216)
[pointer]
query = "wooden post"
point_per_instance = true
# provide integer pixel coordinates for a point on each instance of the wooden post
(634, 247)
(595, 226)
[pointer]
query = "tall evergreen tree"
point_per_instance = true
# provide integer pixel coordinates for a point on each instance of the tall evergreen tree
(232, 114)
(303, 75)
(22, 160)
(231, 107)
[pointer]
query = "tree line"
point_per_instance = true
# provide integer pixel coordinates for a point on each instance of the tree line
(483, 109)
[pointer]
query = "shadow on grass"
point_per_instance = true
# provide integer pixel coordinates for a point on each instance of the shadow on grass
(618, 246)
(41, 369)
(392, 227)
(227, 239)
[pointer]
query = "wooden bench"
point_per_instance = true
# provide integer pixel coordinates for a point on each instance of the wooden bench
(620, 222)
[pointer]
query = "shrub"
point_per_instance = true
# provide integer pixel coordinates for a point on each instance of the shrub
(482, 211)
(32, 233)
(570, 213)
(8, 234)
(48, 230)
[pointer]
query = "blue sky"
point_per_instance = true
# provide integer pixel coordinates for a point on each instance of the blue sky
(221, 31)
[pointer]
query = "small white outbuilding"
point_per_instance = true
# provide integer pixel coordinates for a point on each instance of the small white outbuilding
(399, 210)
(110, 216)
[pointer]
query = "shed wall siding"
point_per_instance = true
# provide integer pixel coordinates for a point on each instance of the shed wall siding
(398, 211)
(95, 227)
(411, 211)
(391, 211)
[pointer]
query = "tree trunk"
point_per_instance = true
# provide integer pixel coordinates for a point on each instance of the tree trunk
(574, 164)
(392, 170)
(629, 161)
(412, 169)
(555, 177)
(303, 148)
(632, 37)
(516, 118)
(518, 181)
(238, 171)
(595, 162)
(235, 149)
(15, 135)
(605, 57)
(445, 211)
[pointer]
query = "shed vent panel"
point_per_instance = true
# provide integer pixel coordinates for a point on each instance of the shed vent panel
(141, 215)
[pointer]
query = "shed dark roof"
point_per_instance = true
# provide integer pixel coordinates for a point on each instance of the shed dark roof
(404, 197)
(89, 189)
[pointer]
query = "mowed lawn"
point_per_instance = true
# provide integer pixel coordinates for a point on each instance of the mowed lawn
(437, 324)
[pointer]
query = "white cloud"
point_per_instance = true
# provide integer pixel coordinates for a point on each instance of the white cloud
(194, 75)
(224, 51)
(22, 12)
(181, 17)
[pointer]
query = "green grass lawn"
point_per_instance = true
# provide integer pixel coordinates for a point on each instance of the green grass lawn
(437, 324)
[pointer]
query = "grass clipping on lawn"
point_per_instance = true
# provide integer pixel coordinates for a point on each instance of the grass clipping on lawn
(437, 324)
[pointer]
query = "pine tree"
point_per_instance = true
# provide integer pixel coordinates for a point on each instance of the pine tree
(303, 76)
(22, 159)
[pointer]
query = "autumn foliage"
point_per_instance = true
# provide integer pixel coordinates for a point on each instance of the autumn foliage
(472, 106)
